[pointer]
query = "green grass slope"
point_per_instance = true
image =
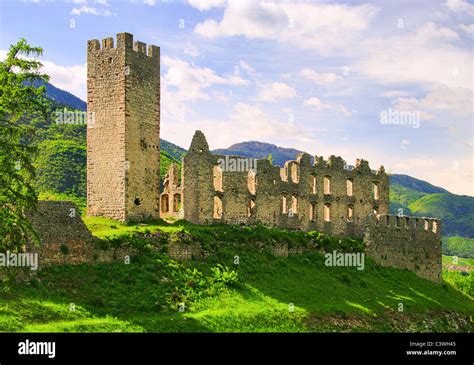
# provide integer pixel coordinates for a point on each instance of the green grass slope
(259, 292)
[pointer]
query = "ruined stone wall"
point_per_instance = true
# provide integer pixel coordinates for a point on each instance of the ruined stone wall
(171, 197)
(197, 181)
(405, 242)
(292, 197)
(65, 239)
(123, 154)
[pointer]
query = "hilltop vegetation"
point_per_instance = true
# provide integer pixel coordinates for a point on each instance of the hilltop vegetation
(258, 292)
(458, 246)
(419, 198)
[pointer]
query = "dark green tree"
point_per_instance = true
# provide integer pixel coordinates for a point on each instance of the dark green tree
(22, 107)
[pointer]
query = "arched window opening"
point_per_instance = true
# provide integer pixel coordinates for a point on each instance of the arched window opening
(217, 207)
(217, 175)
(327, 184)
(327, 212)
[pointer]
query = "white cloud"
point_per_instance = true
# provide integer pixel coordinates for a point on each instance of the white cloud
(460, 6)
(454, 174)
(91, 10)
(275, 91)
(320, 27)
(202, 5)
(395, 93)
(184, 82)
(431, 32)
(149, 2)
(191, 50)
(468, 29)
(191, 80)
(320, 78)
(429, 55)
(319, 105)
(458, 101)
(245, 122)
(69, 78)
(249, 69)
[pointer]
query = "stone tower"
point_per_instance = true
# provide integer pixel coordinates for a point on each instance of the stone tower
(123, 135)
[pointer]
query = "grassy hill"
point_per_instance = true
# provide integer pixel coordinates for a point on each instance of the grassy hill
(262, 293)
(419, 198)
(458, 246)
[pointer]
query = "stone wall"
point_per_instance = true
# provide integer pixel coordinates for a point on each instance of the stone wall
(123, 143)
(406, 243)
(182, 251)
(326, 196)
(65, 239)
(171, 197)
(400, 242)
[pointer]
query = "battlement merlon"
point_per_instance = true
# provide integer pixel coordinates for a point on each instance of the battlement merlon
(124, 43)
(428, 225)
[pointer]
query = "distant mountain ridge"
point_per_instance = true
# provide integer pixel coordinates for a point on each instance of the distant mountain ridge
(416, 184)
(255, 149)
(63, 97)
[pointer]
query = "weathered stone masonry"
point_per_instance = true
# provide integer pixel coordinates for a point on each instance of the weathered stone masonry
(123, 142)
(171, 197)
(406, 242)
(65, 239)
(325, 196)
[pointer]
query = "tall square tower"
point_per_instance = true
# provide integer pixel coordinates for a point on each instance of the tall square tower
(123, 133)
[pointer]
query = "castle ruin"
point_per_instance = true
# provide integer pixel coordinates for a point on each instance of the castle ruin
(327, 196)
(123, 166)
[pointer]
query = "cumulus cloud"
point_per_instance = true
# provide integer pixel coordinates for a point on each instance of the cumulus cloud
(249, 69)
(91, 10)
(468, 29)
(430, 55)
(319, 105)
(191, 80)
(461, 6)
(458, 101)
(245, 122)
(184, 82)
(69, 78)
(320, 78)
(275, 91)
(395, 93)
(191, 50)
(320, 27)
(203, 5)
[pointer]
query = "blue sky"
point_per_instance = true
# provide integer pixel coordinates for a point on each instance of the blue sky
(313, 75)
